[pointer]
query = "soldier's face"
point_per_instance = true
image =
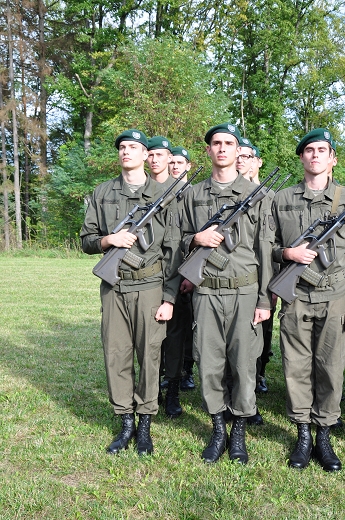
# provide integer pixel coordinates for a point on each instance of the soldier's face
(317, 158)
(178, 165)
(256, 165)
(158, 160)
(223, 150)
(131, 155)
(244, 160)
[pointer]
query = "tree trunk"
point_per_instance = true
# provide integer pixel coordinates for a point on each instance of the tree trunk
(4, 177)
(15, 135)
(43, 92)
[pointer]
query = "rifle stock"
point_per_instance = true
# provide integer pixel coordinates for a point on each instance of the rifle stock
(108, 267)
(285, 283)
(192, 268)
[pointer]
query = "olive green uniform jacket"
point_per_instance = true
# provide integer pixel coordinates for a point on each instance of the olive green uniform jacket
(223, 330)
(129, 308)
(312, 327)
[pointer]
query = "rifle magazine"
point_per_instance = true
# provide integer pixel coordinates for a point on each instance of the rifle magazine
(218, 260)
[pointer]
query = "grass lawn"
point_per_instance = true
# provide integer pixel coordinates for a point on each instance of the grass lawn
(56, 422)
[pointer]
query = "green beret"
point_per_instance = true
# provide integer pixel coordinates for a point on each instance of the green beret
(223, 128)
(159, 142)
(318, 134)
(131, 135)
(179, 150)
(256, 151)
(245, 142)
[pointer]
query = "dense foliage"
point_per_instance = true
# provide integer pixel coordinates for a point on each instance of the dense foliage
(84, 71)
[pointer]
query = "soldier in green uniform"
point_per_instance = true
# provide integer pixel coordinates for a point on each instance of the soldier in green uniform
(230, 304)
(179, 163)
(312, 327)
(136, 309)
(250, 170)
(159, 157)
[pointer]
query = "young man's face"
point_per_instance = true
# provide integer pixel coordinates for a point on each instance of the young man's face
(158, 160)
(178, 165)
(256, 165)
(223, 149)
(132, 155)
(317, 157)
(244, 160)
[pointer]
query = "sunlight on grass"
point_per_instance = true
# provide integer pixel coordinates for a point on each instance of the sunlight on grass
(56, 422)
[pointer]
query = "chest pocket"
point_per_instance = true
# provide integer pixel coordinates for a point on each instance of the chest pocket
(203, 210)
(110, 214)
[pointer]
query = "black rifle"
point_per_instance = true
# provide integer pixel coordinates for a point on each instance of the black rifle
(284, 284)
(193, 267)
(107, 268)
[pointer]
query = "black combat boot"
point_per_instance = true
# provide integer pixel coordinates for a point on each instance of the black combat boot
(300, 456)
(324, 451)
(187, 381)
(256, 419)
(219, 439)
(172, 404)
(237, 448)
(261, 385)
(338, 424)
(126, 434)
(144, 441)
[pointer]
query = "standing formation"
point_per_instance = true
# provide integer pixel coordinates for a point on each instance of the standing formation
(200, 280)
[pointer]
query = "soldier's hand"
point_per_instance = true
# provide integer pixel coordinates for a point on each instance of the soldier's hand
(261, 315)
(164, 312)
(299, 254)
(121, 239)
(208, 238)
(186, 287)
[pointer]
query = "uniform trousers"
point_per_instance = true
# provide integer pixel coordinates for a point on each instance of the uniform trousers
(177, 332)
(313, 354)
(223, 332)
(128, 328)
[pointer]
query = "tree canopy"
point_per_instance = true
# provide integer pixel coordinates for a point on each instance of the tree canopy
(84, 71)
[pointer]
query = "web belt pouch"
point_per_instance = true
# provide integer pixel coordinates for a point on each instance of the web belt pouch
(145, 272)
(312, 277)
(333, 278)
(133, 260)
(218, 260)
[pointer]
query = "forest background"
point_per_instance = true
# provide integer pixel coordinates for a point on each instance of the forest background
(74, 74)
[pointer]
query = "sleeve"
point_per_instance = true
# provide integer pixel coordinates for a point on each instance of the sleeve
(263, 246)
(278, 248)
(172, 256)
(91, 234)
(188, 231)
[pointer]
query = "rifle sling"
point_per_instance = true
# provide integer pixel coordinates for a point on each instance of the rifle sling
(336, 200)
(145, 272)
(230, 283)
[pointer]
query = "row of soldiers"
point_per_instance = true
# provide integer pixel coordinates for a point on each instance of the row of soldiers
(147, 306)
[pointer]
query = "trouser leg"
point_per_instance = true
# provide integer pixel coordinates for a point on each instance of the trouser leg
(223, 332)
(128, 326)
(312, 345)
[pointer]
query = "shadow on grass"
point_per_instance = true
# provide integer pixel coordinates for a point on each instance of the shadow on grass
(65, 362)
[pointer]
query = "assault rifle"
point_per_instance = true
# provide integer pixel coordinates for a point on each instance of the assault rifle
(107, 268)
(193, 267)
(284, 284)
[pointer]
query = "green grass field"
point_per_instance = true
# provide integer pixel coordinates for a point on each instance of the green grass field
(56, 423)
